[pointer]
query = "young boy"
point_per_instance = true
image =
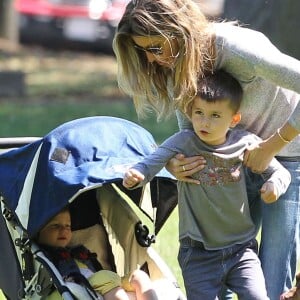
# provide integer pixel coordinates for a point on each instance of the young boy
(78, 264)
(216, 232)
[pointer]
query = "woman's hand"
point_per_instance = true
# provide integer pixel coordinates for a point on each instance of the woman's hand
(183, 167)
(258, 157)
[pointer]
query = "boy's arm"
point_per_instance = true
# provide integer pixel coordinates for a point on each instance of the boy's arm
(144, 171)
(276, 177)
(154, 162)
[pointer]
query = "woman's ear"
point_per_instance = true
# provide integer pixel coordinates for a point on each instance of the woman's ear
(236, 118)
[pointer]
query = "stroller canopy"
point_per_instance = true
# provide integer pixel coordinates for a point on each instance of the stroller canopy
(39, 179)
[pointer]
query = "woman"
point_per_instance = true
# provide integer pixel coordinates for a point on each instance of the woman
(162, 47)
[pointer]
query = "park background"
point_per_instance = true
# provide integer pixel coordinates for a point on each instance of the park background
(53, 86)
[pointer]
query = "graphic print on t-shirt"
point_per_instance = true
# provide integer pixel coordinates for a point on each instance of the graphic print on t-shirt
(219, 170)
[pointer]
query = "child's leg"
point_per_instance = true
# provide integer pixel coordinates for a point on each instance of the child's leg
(245, 276)
(108, 284)
(142, 285)
(202, 270)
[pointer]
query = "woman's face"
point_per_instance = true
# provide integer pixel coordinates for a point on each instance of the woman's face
(158, 49)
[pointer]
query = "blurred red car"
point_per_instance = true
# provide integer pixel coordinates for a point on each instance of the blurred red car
(57, 22)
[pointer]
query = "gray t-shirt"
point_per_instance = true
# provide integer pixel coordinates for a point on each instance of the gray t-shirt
(268, 78)
(215, 212)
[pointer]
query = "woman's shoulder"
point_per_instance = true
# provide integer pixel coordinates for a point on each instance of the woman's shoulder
(238, 38)
(231, 30)
(239, 50)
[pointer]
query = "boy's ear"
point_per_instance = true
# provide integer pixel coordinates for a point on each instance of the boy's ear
(236, 118)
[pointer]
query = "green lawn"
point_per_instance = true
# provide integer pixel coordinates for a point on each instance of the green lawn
(38, 118)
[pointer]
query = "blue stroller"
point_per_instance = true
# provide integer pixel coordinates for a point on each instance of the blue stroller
(81, 164)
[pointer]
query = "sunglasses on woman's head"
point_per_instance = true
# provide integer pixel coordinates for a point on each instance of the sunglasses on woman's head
(152, 50)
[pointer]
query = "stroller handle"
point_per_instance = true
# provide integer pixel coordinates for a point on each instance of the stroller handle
(15, 142)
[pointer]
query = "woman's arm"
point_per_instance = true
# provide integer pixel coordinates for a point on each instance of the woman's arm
(264, 61)
(260, 155)
(237, 54)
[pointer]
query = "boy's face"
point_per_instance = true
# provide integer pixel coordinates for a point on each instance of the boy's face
(57, 232)
(211, 120)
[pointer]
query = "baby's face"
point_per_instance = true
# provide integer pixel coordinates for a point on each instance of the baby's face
(57, 232)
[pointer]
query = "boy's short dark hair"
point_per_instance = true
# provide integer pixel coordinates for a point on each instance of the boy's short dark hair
(220, 85)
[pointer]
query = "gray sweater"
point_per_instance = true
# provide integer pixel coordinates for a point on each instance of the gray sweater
(268, 78)
(215, 212)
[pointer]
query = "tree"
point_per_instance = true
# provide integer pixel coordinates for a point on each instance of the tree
(8, 21)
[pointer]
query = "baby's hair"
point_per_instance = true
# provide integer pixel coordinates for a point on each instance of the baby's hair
(218, 86)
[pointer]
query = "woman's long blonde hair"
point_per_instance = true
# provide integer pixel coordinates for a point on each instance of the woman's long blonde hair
(152, 86)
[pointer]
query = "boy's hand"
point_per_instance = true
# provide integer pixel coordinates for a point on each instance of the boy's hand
(268, 192)
(132, 177)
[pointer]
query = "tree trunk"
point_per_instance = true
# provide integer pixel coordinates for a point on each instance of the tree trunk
(8, 22)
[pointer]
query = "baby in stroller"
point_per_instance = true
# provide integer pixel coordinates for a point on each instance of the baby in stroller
(78, 264)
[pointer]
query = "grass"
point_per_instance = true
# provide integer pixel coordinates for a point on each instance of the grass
(38, 118)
